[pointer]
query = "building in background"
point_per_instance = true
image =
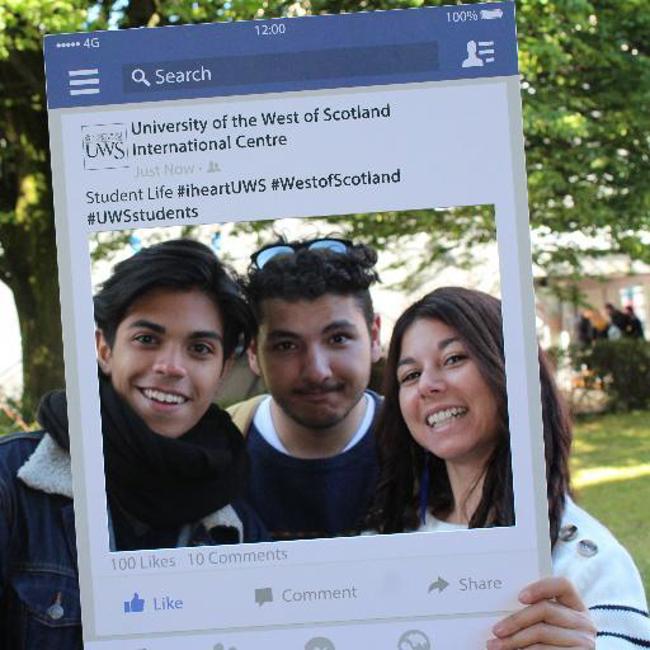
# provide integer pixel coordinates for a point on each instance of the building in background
(614, 279)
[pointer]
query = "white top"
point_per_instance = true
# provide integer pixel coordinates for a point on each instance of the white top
(263, 422)
(434, 525)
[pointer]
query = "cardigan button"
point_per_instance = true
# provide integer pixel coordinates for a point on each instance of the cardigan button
(568, 533)
(587, 548)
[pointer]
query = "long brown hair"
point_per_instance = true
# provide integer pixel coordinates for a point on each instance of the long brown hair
(476, 317)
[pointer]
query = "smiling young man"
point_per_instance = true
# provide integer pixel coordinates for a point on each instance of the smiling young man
(311, 443)
(166, 358)
(169, 319)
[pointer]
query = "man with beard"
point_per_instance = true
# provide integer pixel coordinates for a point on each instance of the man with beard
(169, 319)
(311, 441)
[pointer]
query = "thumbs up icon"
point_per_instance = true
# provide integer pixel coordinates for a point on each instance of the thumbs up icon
(135, 605)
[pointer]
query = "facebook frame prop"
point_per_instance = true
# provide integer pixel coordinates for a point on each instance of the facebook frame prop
(299, 117)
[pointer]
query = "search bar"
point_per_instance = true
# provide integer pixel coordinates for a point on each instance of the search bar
(262, 69)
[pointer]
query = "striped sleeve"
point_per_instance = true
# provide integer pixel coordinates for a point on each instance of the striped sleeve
(620, 626)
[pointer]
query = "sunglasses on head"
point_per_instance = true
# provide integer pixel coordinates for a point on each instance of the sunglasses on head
(264, 255)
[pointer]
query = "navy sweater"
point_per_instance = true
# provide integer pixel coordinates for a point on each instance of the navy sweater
(303, 499)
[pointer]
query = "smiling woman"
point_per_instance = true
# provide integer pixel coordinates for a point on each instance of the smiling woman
(445, 408)
(445, 465)
(447, 405)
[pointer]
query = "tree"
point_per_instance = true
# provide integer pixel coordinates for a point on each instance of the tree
(586, 81)
(28, 251)
(586, 97)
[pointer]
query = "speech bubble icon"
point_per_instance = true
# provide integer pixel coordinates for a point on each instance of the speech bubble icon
(264, 595)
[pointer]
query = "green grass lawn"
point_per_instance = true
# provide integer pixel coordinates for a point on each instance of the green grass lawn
(611, 478)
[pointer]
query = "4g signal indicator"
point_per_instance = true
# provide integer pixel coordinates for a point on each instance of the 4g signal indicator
(90, 41)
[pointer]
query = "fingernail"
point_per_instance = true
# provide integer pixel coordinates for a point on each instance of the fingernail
(525, 596)
(492, 644)
(499, 629)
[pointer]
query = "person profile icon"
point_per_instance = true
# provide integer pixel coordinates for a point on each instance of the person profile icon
(472, 60)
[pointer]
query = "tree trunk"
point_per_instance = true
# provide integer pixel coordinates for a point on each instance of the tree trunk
(30, 262)
(27, 243)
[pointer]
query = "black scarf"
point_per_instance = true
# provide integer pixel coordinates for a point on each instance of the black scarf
(160, 481)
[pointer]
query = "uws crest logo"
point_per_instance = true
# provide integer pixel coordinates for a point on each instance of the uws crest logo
(104, 146)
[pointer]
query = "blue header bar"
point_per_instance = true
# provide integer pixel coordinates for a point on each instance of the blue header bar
(284, 54)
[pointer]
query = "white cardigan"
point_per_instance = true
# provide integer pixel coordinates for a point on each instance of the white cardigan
(604, 575)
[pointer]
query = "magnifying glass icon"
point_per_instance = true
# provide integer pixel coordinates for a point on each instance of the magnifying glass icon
(139, 77)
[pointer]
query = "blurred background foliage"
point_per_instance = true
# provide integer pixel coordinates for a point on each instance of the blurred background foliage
(585, 89)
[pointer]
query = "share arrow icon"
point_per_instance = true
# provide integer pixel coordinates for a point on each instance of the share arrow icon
(440, 584)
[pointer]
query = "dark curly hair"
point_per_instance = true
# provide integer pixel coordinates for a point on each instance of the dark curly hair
(310, 274)
(476, 317)
(178, 265)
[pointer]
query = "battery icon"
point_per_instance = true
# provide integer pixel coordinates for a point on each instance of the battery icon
(491, 14)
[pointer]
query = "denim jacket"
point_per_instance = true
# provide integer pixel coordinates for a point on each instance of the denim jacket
(39, 588)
